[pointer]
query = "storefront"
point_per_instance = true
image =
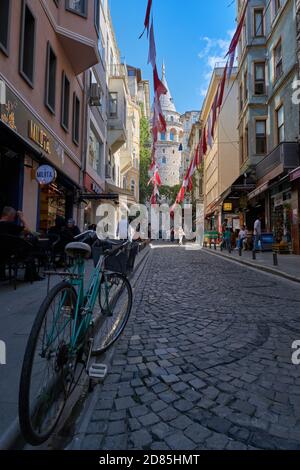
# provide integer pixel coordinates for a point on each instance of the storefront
(281, 212)
(25, 145)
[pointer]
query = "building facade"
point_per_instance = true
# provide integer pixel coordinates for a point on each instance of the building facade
(188, 119)
(44, 49)
(169, 145)
(221, 161)
(268, 118)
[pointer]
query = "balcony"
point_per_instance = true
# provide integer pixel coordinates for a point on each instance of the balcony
(75, 28)
(117, 112)
(283, 158)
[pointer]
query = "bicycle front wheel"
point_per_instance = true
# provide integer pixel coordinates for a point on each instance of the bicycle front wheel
(48, 366)
(115, 301)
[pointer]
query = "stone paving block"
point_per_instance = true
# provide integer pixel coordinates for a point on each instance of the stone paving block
(181, 422)
(138, 410)
(115, 442)
(168, 413)
(124, 403)
(197, 433)
(141, 439)
(178, 441)
(160, 430)
(158, 405)
(91, 442)
(116, 427)
(149, 419)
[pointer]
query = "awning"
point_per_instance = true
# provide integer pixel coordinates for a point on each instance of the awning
(295, 175)
(261, 189)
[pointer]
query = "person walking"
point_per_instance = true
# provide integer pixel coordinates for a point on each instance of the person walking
(242, 237)
(257, 234)
(224, 228)
(181, 234)
(227, 238)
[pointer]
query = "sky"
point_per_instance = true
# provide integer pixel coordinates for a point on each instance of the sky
(191, 36)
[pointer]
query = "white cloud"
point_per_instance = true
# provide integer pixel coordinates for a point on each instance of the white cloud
(213, 52)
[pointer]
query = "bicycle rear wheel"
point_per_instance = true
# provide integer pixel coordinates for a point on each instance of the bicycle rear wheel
(115, 301)
(48, 366)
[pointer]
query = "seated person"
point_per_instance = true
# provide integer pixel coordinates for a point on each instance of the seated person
(9, 226)
(8, 222)
(72, 228)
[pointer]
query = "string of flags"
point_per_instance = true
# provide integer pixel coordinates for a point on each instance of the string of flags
(158, 124)
(208, 130)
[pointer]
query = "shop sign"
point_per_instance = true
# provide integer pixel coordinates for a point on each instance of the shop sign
(227, 207)
(38, 136)
(278, 200)
(45, 174)
(96, 188)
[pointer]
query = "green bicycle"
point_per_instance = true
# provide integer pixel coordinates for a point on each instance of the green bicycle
(72, 325)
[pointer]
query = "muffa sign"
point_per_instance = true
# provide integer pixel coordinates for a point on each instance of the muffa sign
(45, 174)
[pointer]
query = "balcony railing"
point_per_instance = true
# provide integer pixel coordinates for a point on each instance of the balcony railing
(117, 70)
(285, 154)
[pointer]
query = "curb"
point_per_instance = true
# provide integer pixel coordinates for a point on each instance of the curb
(266, 269)
(12, 435)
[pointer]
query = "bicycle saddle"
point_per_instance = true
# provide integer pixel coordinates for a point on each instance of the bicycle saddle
(78, 249)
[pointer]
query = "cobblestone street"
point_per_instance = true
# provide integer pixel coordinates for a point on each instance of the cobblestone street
(205, 361)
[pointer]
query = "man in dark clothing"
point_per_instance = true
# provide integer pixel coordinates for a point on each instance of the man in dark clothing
(9, 226)
(8, 223)
(72, 228)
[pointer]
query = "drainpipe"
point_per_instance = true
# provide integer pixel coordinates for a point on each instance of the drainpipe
(85, 140)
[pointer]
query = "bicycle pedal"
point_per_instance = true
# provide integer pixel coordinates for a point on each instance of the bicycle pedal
(97, 371)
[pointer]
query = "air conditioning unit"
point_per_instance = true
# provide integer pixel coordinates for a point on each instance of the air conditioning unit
(95, 95)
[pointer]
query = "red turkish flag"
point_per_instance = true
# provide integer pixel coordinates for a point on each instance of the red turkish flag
(237, 34)
(222, 88)
(147, 18)
(204, 141)
(159, 87)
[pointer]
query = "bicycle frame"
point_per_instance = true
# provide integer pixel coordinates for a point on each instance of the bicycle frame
(86, 299)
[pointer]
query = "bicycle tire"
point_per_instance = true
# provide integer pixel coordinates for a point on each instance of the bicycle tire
(29, 433)
(120, 328)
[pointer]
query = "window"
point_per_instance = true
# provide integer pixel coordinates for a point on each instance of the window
(172, 137)
(246, 142)
(278, 70)
(97, 16)
(261, 137)
(280, 124)
(4, 25)
(241, 97)
(242, 155)
(95, 151)
(113, 104)
(258, 22)
(246, 86)
(65, 101)
(132, 186)
(76, 119)
(259, 78)
(50, 79)
(164, 160)
(77, 6)
(163, 136)
(27, 45)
